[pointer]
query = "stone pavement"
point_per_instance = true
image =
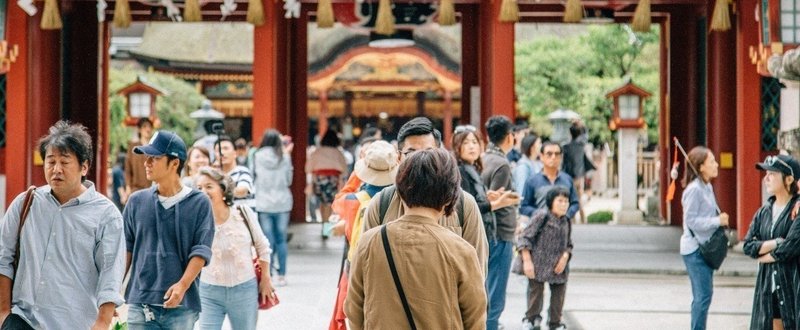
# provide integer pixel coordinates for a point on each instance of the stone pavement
(623, 277)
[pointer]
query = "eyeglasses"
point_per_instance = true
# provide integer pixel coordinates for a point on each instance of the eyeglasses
(771, 160)
(465, 128)
(553, 153)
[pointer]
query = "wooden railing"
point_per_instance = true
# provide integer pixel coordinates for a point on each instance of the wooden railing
(647, 170)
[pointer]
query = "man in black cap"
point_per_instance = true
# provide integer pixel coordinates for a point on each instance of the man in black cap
(168, 230)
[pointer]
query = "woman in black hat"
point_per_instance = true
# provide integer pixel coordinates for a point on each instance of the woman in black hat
(774, 296)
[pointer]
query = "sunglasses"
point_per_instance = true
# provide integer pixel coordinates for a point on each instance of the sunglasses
(465, 128)
(772, 160)
(553, 153)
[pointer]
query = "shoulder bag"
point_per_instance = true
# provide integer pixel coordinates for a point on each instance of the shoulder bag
(715, 249)
(262, 303)
(26, 208)
(393, 269)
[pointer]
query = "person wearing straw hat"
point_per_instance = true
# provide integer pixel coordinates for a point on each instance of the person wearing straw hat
(377, 170)
(701, 217)
(773, 240)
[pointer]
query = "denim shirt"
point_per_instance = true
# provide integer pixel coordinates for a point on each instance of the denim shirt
(699, 214)
(73, 258)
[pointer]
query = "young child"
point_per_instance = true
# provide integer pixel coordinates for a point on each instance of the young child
(546, 247)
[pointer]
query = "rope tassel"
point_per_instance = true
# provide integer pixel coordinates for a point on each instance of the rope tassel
(255, 12)
(509, 11)
(447, 13)
(51, 18)
(384, 23)
(641, 17)
(573, 12)
(191, 12)
(325, 18)
(122, 14)
(721, 19)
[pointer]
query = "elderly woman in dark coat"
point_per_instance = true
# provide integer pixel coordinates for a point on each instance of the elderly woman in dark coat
(546, 247)
(774, 239)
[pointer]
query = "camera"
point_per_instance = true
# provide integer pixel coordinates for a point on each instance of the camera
(218, 128)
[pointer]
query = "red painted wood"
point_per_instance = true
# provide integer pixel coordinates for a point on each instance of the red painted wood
(45, 100)
(748, 118)
(470, 37)
(496, 63)
(264, 67)
(17, 160)
(721, 100)
(682, 90)
(298, 126)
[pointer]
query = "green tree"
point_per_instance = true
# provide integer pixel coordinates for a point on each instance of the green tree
(577, 72)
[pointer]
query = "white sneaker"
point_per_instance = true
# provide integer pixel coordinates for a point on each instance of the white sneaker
(535, 325)
(561, 326)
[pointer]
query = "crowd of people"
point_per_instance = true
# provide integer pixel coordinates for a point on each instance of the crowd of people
(193, 237)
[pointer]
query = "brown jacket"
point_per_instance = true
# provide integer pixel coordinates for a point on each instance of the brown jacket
(134, 170)
(439, 273)
(471, 230)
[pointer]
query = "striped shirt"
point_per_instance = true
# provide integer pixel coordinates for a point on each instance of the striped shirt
(243, 178)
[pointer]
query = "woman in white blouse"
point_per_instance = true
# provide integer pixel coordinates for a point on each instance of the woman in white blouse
(228, 284)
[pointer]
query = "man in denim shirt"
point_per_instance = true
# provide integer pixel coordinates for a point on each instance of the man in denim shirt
(168, 232)
(533, 197)
(71, 247)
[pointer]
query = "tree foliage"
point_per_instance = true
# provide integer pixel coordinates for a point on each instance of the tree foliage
(173, 108)
(577, 72)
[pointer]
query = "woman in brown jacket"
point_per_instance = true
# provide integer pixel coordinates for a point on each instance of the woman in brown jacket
(412, 272)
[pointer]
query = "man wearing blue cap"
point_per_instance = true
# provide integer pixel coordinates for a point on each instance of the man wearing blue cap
(168, 230)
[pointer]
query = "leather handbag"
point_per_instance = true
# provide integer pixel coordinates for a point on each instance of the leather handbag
(263, 303)
(26, 208)
(715, 249)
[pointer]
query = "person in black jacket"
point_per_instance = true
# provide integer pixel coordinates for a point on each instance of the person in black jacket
(467, 148)
(774, 239)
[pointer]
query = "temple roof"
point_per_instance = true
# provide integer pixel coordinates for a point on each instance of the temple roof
(207, 46)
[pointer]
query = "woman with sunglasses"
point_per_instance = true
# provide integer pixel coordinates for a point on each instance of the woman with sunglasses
(776, 246)
(701, 217)
(467, 148)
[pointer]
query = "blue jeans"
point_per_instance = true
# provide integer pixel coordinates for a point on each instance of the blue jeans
(239, 302)
(702, 278)
(180, 318)
(275, 227)
(500, 255)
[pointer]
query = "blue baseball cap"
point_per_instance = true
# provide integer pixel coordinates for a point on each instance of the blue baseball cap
(164, 143)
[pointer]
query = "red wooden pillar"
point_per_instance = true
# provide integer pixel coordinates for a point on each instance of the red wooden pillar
(269, 72)
(496, 63)
(664, 138)
(748, 117)
(17, 154)
(298, 115)
(447, 118)
(721, 129)
(683, 97)
(84, 58)
(470, 36)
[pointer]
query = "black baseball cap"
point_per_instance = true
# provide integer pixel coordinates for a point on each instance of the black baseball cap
(781, 163)
(164, 143)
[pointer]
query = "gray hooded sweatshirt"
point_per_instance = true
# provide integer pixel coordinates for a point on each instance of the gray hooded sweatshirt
(273, 178)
